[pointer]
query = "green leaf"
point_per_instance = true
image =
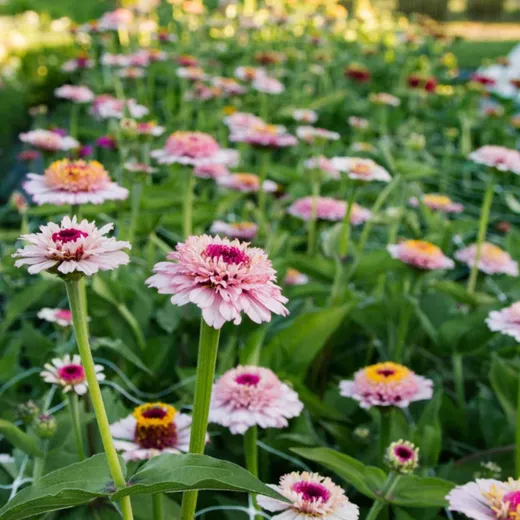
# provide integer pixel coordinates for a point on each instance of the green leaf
(170, 473)
(318, 267)
(368, 480)
(460, 293)
(250, 354)
(414, 169)
(121, 348)
(19, 439)
(414, 491)
(504, 381)
(68, 487)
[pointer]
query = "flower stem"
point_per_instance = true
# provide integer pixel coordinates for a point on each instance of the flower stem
(206, 362)
(158, 506)
(458, 375)
(385, 427)
(482, 228)
(381, 503)
(264, 164)
(345, 230)
(188, 204)
(39, 463)
(74, 113)
(137, 191)
(79, 320)
(517, 434)
(251, 453)
(311, 239)
(76, 424)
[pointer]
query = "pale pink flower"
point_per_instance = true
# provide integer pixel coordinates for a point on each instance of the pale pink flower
(358, 122)
(71, 247)
(229, 86)
(240, 230)
(310, 496)
(149, 128)
(268, 85)
(294, 277)
(69, 374)
(493, 260)
(203, 92)
(248, 396)
(152, 429)
(361, 169)
(263, 135)
(114, 20)
(506, 321)
(383, 98)
(49, 141)
(387, 384)
(139, 167)
(79, 63)
(304, 115)
(486, 499)
(437, 203)
(499, 157)
(324, 164)
(223, 278)
(73, 182)
(328, 209)
(106, 106)
(195, 149)
(132, 72)
(249, 73)
(62, 317)
(241, 121)
(211, 171)
(311, 134)
(420, 254)
(246, 183)
(115, 60)
(75, 93)
(191, 73)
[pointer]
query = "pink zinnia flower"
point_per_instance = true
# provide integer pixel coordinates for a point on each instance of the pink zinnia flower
(229, 86)
(241, 121)
(249, 73)
(361, 169)
(387, 384)
(63, 317)
(191, 73)
(263, 135)
(246, 183)
(248, 396)
(294, 277)
(107, 106)
(493, 260)
(69, 374)
(241, 230)
(194, 148)
(304, 115)
(75, 93)
(79, 63)
(268, 85)
(358, 122)
(328, 209)
(149, 128)
(486, 499)
(506, 321)
(71, 247)
(152, 429)
(211, 171)
(324, 164)
(499, 157)
(402, 457)
(420, 254)
(383, 98)
(224, 278)
(132, 72)
(203, 92)
(437, 203)
(311, 134)
(114, 20)
(310, 496)
(73, 182)
(49, 141)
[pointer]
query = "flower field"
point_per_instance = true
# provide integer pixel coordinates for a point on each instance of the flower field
(261, 262)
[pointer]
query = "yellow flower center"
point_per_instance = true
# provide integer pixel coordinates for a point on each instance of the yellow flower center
(154, 414)
(387, 372)
(436, 200)
(228, 110)
(361, 168)
(493, 252)
(505, 506)
(247, 179)
(243, 226)
(76, 175)
(423, 247)
(155, 428)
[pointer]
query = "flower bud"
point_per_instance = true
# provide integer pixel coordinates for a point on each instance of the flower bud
(27, 412)
(45, 426)
(402, 457)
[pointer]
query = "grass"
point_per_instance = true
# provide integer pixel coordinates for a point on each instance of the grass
(471, 54)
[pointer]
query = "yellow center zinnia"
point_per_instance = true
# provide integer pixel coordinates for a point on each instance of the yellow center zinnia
(77, 175)
(423, 247)
(387, 372)
(436, 200)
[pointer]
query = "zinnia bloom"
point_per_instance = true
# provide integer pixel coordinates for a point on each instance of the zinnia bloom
(358, 73)
(211, 171)
(493, 260)
(248, 396)
(63, 317)
(506, 321)
(311, 134)
(310, 496)
(73, 182)
(324, 164)
(69, 374)
(361, 169)
(71, 247)
(240, 230)
(499, 157)
(194, 148)
(437, 203)
(49, 141)
(107, 106)
(268, 85)
(246, 183)
(304, 115)
(328, 209)
(402, 457)
(383, 98)
(263, 135)
(75, 93)
(387, 384)
(249, 73)
(152, 429)
(487, 499)
(420, 254)
(240, 121)
(223, 278)
(191, 73)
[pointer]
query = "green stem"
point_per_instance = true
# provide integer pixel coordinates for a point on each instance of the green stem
(74, 114)
(404, 321)
(458, 375)
(345, 229)
(376, 508)
(188, 204)
(251, 453)
(385, 426)
(517, 434)
(137, 191)
(79, 320)
(39, 463)
(76, 424)
(482, 228)
(311, 239)
(264, 164)
(158, 506)
(206, 361)
(381, 503)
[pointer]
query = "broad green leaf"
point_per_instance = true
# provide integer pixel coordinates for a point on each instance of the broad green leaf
(504, 381)
(414, 491)
(19, 439)
(121, 348)
(460, 293)
(68, 487)
(170, 473)
(368, 480)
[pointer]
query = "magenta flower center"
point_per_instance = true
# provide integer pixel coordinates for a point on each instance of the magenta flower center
(386, 372)
(64, 314)
(72, 374)
(311, 491)
(248, 379)
(68, 235)
(155, 413)
(403, 453)
(513, 499)
(229, 254)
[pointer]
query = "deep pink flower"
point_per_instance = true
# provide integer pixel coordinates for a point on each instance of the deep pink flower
(63, 317)
(223, 278)
(211, 171)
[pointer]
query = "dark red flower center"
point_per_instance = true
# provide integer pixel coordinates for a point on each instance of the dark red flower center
(155, 436)
(229, 254)
(155, 413)
(311, 491)
(513, 498)
(248, 379)
(72, 374)
(386, 372)
(404, 453)
(68, 235)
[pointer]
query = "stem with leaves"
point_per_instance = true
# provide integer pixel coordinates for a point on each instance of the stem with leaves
(187, 210)
(381, 503)
(345, 229)
(76, 424)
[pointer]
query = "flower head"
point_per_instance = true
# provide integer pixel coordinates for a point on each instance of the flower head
(152, 429)
(263, 135)
(73, 182)
(437, 203)
(248, 395)
(420, 254)
(323, 164)
(107, 106)
(268, 85)
(49, 141)
(240, 230)
(328, 209)
(304, 115)
(361, 169)
(387, 384)
(241, 121)
(402, 456)
(358, 73)
(383, 98)
(211, 171)
(72, 247)
(69, 374)
(493, 260)
(62, 317)
(499, 157)
(249, 73)
(223, 278)
(75, 93)
(310, 496)
(246, 183)
(506, 321)
(294, 277)
(311, 134)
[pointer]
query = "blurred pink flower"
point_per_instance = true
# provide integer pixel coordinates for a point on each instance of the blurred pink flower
(63, 317)
(499, 157)
(437, 203)
(75, 93)
(311, 134)
(420, 254)
(324, 164)
(328, 209)
(294, 277)
(240, 230)
(493, 260)
(49, 140)
(360, 169)
(246, 183)
(263, 135)
(268, 85)
(303, 115)
(211, 171)
(506, 321)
